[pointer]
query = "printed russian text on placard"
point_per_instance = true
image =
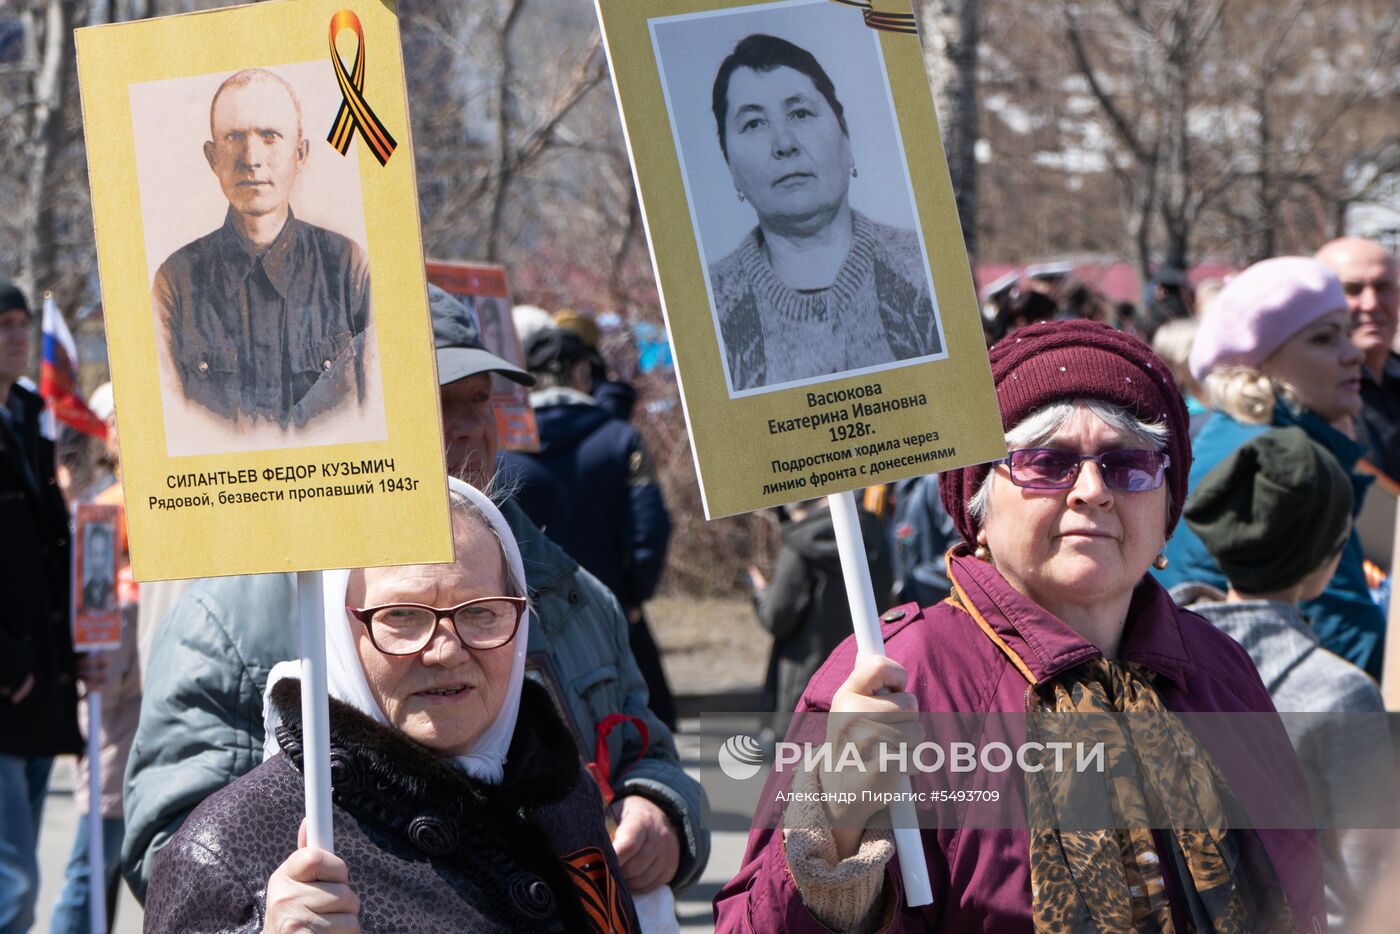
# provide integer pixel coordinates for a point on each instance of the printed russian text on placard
(806, 242)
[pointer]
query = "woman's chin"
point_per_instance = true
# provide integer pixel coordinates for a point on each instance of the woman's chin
(443, 739)
(1089, 571)
(445, 729)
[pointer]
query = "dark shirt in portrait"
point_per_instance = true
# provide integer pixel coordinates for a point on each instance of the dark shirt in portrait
(1380, 414)
(278, 335)
(98, 594)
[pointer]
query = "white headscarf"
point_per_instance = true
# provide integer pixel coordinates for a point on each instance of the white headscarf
(345, 676)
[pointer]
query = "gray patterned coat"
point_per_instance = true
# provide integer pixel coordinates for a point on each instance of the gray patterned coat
(1336, 721)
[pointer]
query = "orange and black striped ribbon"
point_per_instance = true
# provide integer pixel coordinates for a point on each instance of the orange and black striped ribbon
(889, 22)
(354, 112)
(598, 892)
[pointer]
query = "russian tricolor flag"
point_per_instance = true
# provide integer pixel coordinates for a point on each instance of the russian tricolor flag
(58, 375)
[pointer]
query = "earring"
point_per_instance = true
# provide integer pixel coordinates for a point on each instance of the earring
(982, 553)
(854, 173)
(1160, 562)
(741, 196)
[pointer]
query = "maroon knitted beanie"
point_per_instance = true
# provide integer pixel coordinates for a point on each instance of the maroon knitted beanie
(1056, 361)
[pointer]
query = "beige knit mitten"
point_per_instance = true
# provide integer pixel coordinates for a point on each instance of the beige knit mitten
(844, 894)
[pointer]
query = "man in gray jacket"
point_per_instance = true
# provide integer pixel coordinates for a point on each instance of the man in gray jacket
(201, 713)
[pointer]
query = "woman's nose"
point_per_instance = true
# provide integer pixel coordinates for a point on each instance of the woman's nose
(1089, 486)
(784, 141)
(1351, 354)
(444, 646)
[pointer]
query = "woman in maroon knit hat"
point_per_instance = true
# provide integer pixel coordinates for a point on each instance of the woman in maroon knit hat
(1052, 611)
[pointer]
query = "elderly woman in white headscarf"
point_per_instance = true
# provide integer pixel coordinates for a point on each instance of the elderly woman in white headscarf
(459, 799)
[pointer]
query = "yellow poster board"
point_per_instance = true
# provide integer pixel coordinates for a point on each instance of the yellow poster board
(806, 242)
(256, 220)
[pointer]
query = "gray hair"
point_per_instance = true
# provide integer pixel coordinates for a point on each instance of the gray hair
(1041, 425)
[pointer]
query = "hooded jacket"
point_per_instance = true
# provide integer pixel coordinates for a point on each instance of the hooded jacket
(982, 653)
(612, 520)
(202, 718)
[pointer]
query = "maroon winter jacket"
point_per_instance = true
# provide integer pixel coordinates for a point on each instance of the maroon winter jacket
(981, 877)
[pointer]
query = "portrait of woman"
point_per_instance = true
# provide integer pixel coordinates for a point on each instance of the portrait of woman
(799, 192)
(816, 288)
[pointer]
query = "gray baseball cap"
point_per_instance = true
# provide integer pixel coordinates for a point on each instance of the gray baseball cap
(460, 352)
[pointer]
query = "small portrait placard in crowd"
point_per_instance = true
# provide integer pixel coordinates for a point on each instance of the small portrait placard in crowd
(485, 290)
(262, 282)
(806, 242)
(97, 622)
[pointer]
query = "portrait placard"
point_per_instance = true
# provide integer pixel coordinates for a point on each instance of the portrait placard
(804, 235)
(97, 621)
(256, 220)
(484, 289)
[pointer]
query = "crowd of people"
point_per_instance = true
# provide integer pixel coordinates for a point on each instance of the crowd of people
(1172, 533)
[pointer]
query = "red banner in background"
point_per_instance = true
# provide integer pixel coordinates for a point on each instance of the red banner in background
(58, 375)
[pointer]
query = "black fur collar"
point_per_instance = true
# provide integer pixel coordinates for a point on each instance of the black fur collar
(379, 773)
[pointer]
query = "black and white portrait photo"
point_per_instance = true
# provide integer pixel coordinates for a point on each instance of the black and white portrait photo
(99, 567)
(261, 287)
(799, 193)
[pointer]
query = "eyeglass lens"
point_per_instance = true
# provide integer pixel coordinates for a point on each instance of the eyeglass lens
(1126, 471)
(406, 629)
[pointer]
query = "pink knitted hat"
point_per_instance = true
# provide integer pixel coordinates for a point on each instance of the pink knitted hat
(1260, 309)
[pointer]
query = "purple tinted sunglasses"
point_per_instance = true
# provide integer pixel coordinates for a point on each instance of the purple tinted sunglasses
(1124, 471)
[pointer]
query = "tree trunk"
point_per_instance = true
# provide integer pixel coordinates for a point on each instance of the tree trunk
(504, 168)
(44, 143)
(951, 31)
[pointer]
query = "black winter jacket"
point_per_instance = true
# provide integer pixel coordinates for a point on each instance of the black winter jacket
(35, 638)
(429, 849)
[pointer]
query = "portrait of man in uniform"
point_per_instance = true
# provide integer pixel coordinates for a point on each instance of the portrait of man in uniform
(99, 568)
(264, 317)
(258, 262)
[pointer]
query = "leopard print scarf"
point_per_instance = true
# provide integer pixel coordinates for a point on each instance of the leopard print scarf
(1091, 881)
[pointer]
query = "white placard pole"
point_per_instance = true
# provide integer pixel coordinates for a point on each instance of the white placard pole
(315, 712)
(97, 872)
(865, 617)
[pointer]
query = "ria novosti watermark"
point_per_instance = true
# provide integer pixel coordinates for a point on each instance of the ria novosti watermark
(977, 769)
(960, 756)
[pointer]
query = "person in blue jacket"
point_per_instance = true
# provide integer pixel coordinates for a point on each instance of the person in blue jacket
(615, 523)
(1274, 350)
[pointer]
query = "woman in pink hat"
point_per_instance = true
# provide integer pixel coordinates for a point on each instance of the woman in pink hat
(1274, 350)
